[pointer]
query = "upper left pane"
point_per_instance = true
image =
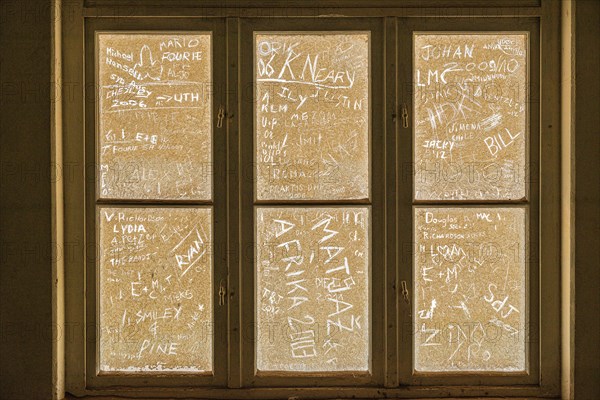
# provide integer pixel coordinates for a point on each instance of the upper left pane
(154, 113)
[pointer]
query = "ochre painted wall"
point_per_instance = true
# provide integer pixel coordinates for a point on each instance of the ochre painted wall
(25, 195)
(586, 153)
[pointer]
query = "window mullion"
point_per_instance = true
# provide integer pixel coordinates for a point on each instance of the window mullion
(235, 207)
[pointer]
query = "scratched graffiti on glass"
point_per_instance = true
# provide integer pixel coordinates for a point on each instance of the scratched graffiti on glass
(312, 289)
(470, 284)
(312, 115)
(154, 128)
(155, 283)
(470, 116)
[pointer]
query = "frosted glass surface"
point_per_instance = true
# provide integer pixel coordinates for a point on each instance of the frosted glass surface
(469, 289)
(155, 282)
(312, 289)
(312, 119)
(470, 116)
(154, 116)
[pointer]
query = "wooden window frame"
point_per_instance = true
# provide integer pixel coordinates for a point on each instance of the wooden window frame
(407, 204)
(394, 375)
(95, 378)
(250, 377)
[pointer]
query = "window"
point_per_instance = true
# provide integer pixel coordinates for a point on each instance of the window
(325, 197)
(286, 203)
(312, 266)
(474, 210)
(155, 206)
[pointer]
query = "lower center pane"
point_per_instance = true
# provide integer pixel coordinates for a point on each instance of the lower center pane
(312, 289)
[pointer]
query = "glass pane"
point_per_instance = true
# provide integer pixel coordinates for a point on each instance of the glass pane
(312, 116)
(470, 281)
(470, 104)
(154, 116)
(312, 289)
(155, 280)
